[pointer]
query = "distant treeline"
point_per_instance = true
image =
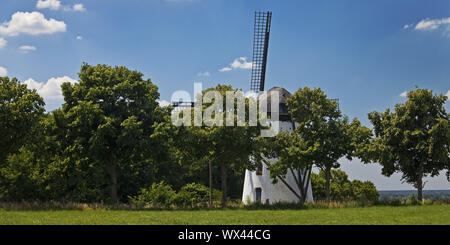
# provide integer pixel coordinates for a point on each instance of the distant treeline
(406, 194)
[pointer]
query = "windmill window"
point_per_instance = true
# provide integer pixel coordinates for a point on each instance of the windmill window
(258, 193)
(259, 170)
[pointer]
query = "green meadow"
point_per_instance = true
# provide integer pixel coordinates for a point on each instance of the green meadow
(375, 215)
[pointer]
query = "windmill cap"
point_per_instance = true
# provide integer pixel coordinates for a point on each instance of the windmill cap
(283, 94)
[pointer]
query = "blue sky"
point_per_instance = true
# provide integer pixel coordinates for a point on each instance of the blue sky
(366, 53)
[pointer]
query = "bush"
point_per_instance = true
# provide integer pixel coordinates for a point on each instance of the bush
(192, 194)
(342, 189)
(390, 202)
(428, 202)
(364, 191)
(158, 195)
(413, 200)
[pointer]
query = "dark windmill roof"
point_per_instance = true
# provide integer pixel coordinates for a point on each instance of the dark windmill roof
(283, 94)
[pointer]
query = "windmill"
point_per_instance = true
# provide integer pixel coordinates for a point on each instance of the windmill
(258, 186)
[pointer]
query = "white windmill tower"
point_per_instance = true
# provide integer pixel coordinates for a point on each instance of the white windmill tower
(258, 185)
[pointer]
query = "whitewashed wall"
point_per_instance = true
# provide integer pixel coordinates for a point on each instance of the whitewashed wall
(272, 193)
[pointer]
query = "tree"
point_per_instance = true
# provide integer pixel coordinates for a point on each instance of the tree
(225, 147)
(321, 137)
(292, 155)
(20, 112)
(108, 120)
(414, 139)
(342, 189)
(20, 109)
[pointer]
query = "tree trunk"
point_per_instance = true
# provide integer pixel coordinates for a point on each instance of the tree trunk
(113, 180)
(327, 183)
(420, 184)
(419, 190)
(223, 175)
(210, 185)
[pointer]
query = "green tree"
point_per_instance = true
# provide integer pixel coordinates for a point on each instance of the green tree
(108, 121)
(322, 136)
(20, 109)
(292, 155)
(342, 189)
(20, 112)
(413, 139)
(225, 147)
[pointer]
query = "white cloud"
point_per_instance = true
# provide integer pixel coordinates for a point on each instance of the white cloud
(56, 5)
(79, 7)
(225, 69)
(404, 94)
(433, 24)
(50, 4)
(51, 89)
(76, 8)
(26, 48)
(32, 84)
(406, 26)
(33, 23)
(203, 74)
(238, 63)
(3, 43)
(3, 71)
(448, 95)
(163, 103)
(79, 38)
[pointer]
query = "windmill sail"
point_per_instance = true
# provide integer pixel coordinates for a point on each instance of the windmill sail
(260, 49)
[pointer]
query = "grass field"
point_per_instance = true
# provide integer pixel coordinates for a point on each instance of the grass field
(380, 215)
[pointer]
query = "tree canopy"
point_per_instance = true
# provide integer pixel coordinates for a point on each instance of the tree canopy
(20, 109)
(414, 139)
(227, 147)
(321, 137)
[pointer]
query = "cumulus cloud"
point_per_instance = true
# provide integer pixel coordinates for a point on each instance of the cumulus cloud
(50, 89)
(404, 94)
(56, 5)
(3, 43)
(33, 23)
(225, 69)
(32, 84)
(3, 71)
(48, 4)
(203, 74)
(163, 103)
(26, 48)
(238, 63)
(79, 38)
(78, 7)
(448, 95)
(432, 24)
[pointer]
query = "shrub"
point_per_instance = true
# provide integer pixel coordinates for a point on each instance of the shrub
(390, 202)
(191, 195)
(158, 195)
(342, 189)
(194, 194)
(364, 191)
(413, 200)
(428, 202)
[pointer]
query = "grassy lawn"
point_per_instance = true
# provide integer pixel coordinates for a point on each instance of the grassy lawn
(409, 215)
